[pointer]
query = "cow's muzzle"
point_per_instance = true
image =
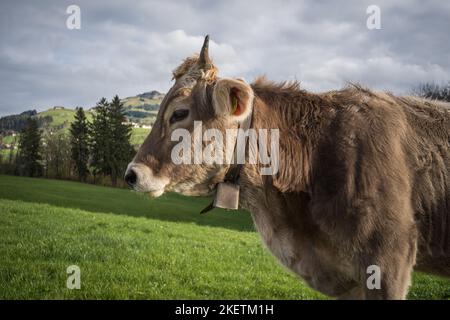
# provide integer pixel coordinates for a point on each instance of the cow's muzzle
(142, 179)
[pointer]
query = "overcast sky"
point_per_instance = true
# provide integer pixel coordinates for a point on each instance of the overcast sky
(129, 47)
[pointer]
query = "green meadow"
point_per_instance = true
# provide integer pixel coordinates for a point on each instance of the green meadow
(128, 246)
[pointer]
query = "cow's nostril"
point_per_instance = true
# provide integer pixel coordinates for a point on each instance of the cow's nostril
(130, 178)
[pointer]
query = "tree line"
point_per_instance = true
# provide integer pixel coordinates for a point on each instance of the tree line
(18, 122)
(96, 151)
(433, 91)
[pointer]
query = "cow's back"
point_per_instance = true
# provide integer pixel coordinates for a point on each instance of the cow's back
(423, 127)
(429, 157)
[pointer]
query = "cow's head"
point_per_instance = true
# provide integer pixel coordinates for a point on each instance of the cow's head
(197, 95)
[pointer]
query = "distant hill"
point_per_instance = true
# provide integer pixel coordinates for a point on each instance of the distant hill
(141, 110)
(61, 117)
(17, 122)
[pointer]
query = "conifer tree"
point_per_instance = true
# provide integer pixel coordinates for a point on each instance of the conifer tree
(29, 150)
(100, 139)
(121, 150)
(111, 147)
(79, 140)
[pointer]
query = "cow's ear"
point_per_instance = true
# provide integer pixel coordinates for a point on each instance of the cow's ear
(233, 98)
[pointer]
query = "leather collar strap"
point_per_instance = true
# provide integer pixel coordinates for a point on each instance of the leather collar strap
(227, 192)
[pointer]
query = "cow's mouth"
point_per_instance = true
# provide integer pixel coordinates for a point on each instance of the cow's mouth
(156, 193)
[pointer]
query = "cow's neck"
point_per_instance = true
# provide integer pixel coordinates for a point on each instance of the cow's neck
(300, 119)
(279, 205)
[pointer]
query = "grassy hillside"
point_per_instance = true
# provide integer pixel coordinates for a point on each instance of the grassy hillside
(130, 246)
(138, 136)
(10, 139)
(62, 116)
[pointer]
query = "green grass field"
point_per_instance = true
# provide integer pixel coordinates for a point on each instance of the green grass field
(129, 246)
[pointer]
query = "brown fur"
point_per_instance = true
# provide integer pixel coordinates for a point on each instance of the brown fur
(364, 180)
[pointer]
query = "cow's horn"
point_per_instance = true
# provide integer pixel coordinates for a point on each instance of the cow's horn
(204, 60)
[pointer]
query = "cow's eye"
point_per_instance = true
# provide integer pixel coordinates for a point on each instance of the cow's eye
(178, 115)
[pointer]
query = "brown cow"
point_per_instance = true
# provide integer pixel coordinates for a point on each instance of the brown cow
(363, 176)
